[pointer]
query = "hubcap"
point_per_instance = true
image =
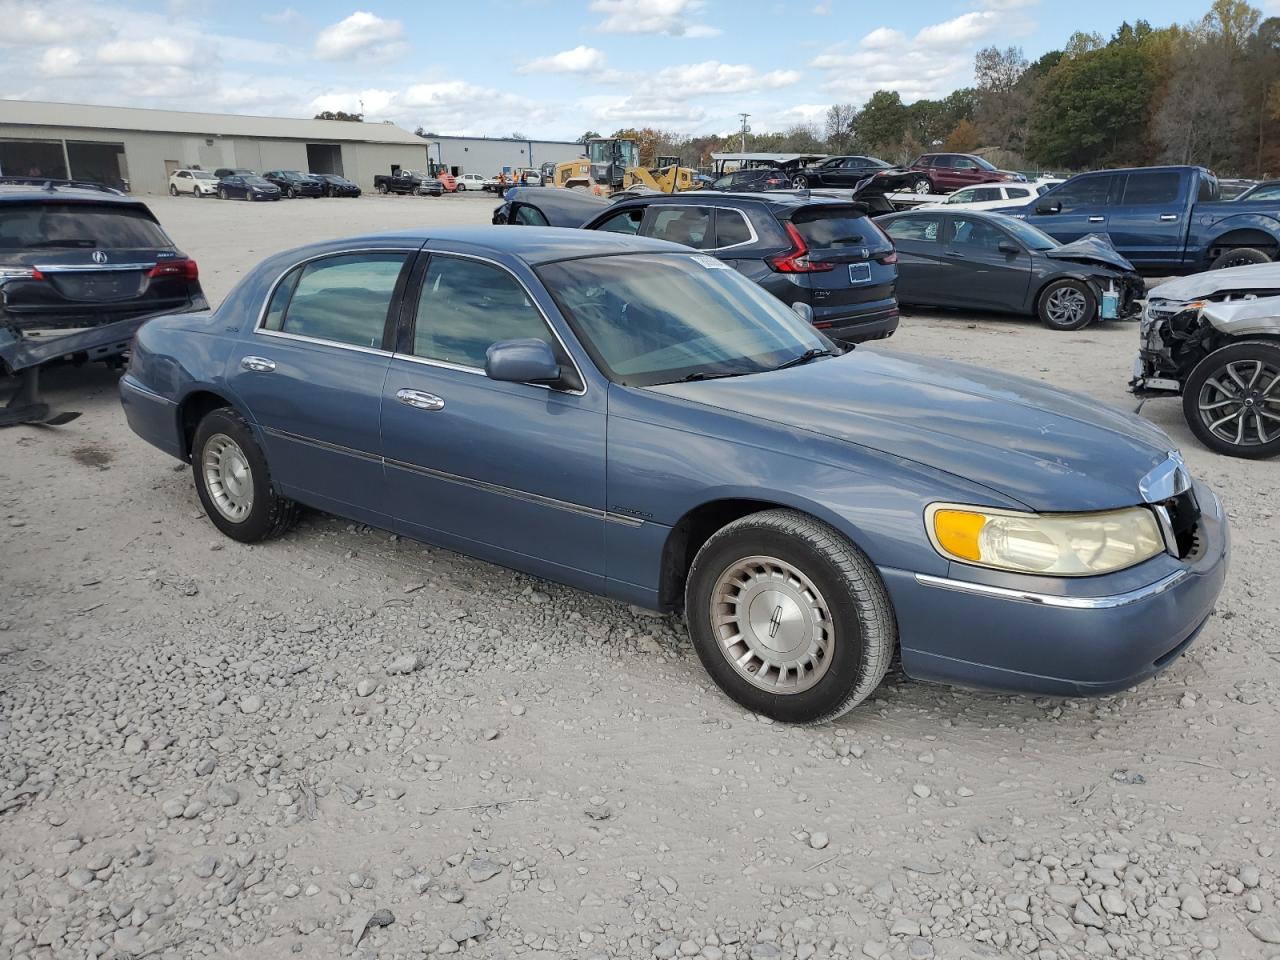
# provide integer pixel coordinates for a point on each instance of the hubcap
(772, 625)
(228, 477)
(1066, 305)
(1240, 403)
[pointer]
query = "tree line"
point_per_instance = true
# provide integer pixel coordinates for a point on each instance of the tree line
(1205, 93)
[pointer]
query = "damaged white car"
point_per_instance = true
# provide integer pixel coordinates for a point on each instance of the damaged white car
(1214, 339)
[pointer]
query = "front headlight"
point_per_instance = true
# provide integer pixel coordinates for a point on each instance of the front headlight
(1052, 544)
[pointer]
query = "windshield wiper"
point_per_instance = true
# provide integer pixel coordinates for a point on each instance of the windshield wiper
(811, 354)
(704, 375)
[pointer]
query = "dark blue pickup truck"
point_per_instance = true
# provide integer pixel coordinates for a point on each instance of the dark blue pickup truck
(1165, 220)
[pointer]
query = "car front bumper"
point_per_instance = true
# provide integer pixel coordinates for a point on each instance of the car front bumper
(1098, 636)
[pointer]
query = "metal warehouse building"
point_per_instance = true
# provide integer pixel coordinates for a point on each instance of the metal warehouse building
(115, 144)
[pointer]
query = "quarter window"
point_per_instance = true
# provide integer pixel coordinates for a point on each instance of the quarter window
(467, 306)
(528, 216)
(690, 226)
(731, 228)
(343, 299)
(924, 229)
(1016, 192)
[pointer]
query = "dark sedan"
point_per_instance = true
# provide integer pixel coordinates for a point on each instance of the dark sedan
(292, 183)
(989, 261)
(336, 186)
(250, 187)
(632, 418)
(752, 180)
(845, 172)
(823, 257)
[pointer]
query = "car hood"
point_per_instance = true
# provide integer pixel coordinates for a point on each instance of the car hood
(1095, 249)
(1046, 448)
(1255, 277)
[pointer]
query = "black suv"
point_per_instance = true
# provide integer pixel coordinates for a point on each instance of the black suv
(823, 257)
(80, 269)
(294, 184)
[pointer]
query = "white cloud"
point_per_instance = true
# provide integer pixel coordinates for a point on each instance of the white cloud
(672, 17)
(964, 29)
(32, 24)
(883, 38)
(674, 113)
(581, 59)
(60, 61)
(822, 9)
(712, 76)
(155, 52)
(361, 36)
(288, 17)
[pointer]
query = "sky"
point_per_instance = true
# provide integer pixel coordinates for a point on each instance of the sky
(549, 69)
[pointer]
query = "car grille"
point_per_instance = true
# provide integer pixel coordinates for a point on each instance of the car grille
(1183, 515)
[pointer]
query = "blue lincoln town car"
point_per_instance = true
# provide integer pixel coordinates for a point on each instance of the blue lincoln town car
(638, 420)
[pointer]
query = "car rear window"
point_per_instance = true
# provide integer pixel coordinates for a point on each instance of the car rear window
(74, 225)
(827, 227)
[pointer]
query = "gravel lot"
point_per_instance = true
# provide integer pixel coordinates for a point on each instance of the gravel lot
(345, 744)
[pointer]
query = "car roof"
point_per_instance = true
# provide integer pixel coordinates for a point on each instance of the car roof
(536, 245)
(59, 193)
(777, 199)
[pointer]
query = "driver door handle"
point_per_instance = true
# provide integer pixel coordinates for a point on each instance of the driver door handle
(420, 400)
(1096, 219)
(1168, 216)
(257, 364)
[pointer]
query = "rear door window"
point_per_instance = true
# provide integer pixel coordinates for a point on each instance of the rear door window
(628, 222)
(972, 232)
(1156, 187)
(342, 299)
(690, 226)
(731, 228)
(1015, 192)
(984, 194)
(921, 228)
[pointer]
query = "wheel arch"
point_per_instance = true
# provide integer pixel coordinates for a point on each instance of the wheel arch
(699, 523)
(1238, 237)
(193, 408)
(1091, 281)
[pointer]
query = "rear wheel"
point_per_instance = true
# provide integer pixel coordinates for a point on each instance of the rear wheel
(788, 617)
(173, 190)
(1239, 257)
(1232, 400)
(1067, 305)
(800, 182)
(233, 481)
(381, 188)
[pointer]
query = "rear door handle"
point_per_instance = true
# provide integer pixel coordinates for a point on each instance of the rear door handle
(257, 364)
(1096, 219)
(1168, 216)
(420, 400)
(955, 253)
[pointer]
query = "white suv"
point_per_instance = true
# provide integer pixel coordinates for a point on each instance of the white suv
(198, 183)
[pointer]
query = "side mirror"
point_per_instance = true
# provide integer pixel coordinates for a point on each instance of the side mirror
(1052, 206)
(1008, 246)
(803, 311)
(521, 361)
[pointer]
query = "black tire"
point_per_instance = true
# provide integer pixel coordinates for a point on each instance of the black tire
(1239, 257)
(222, 193)
(1051, 309)
(922, 185)
(173, 190)
(1264, 394)
(863, 631)
(270, 515)
(381, 188)
(800, 182)
(462, 188)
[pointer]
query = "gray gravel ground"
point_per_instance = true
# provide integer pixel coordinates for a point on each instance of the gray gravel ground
(347, 744)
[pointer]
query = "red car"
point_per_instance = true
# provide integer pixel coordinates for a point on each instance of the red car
(944, 172)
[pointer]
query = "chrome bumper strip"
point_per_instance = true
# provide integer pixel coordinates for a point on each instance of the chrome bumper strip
(1052, 600)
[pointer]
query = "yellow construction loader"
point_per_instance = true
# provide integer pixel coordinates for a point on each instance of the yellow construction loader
(610, 165)
(667, 176)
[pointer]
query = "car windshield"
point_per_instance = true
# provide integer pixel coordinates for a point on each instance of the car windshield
(1031, 237)
(983, 164)
(71, 225)
(203, 175)
(662, 318)
(256, 182)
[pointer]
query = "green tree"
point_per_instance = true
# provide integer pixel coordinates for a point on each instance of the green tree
(340, 115)
(842, 120)
(882, 125)
(589, 135)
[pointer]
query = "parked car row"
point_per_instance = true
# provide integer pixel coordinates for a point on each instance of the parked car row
(238, 183)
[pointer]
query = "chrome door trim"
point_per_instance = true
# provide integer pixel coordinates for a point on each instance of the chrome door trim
(755, 237)
(1054, 600)
(376, 351)
(97, 267)
(323, 444)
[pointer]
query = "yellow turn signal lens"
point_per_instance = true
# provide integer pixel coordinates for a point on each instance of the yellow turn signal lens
(957, 532)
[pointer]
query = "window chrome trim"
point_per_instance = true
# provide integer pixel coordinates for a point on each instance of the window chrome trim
(755, 237)
(259, 330)
(483, 485)
(99, 267)
(464, 368)
(1053, 600)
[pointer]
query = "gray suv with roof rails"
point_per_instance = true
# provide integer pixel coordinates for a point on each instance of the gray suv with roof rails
(821, 255)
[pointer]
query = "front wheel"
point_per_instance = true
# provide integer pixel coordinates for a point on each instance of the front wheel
(788, 617)
(462, 188)
(233, 482)
(922, 185)
(173, 191)
(1239, 257)
(1232, 400)
(222, 194)
(1067, 305)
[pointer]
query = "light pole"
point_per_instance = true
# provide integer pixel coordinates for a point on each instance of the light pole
(745, 130)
